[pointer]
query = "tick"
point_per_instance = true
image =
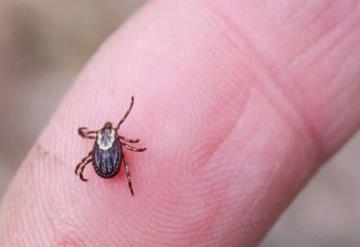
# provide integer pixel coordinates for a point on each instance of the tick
(107, 154)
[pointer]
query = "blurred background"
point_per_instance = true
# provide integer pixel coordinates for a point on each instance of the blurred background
(44, 45)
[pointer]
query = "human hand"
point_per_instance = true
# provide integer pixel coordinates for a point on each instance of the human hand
(238, 102)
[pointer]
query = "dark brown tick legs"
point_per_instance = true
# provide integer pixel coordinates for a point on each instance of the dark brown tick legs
(131, 148)
(126, 114)
(127, 171)
(82, 170)
(82, 165)
(85, 133)
(129, 140)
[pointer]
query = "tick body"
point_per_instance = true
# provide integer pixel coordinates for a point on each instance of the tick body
(107, 154)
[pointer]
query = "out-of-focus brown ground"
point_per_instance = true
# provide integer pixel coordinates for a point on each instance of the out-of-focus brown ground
(43, 45)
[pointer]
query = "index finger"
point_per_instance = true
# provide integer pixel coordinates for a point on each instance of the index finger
(228, 149)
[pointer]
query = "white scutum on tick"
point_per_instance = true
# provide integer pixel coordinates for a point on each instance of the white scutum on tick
(105, 139)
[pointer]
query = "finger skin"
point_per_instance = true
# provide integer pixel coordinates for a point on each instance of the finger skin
(236, 119)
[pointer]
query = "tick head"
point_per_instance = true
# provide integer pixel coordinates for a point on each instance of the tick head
(107, 125)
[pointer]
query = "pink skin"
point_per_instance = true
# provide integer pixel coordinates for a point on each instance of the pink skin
(238, 102)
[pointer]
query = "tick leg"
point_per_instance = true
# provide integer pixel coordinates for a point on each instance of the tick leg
(82, 170)
(85, 133)
(129, 140)
(127, 171)
(134, 149)
(126, 114)
(84, 160)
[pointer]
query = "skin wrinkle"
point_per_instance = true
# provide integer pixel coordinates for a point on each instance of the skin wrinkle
(299, 8)
(276, 80)
(336, 42)
(44, 152)
(230, 127)
(316, 42)
(317, 17)
(342, 68)
(284, 77)
(327, 101)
